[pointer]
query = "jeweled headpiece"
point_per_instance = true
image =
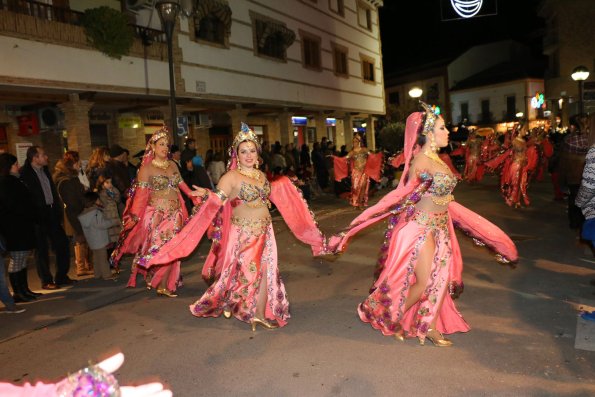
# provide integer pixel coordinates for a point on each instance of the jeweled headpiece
(245, 134)
(160, 133)
(431, 117)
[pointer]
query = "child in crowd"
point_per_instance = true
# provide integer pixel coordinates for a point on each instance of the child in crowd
(95, 228)
(112, 207)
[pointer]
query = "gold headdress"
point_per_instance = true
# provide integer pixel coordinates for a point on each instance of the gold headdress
(245, 134)
(160, 133)
(431, 118)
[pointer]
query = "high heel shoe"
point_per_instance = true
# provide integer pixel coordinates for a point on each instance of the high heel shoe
(166, 292)
(226, 313)
(263, 323)
(399, 336)
(441, 341)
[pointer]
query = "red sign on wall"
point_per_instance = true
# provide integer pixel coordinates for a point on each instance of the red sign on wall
(28, 124)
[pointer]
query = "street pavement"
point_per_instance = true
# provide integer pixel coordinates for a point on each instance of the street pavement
(526, 336)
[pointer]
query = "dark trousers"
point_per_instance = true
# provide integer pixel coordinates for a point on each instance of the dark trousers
(51, 230)
(575, 215)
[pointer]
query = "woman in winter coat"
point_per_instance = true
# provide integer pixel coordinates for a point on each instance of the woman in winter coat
(18, 213)
(72, 192)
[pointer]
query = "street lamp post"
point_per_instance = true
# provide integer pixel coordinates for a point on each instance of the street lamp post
(580, 74)
(168, 13)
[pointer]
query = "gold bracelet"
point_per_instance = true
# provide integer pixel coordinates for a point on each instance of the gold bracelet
(222, 196)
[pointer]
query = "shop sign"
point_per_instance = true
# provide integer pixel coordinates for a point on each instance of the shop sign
(130, 122)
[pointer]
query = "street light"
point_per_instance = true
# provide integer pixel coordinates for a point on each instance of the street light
(580, 74)
(168, 13)
(415, 92)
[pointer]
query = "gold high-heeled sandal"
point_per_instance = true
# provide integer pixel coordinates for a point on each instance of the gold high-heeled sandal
(399, 336)
(263, 323)
(166, 292)
(438, 342)
(226, 313)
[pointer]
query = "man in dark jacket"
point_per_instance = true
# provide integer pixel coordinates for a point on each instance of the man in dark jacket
(50, 215)
(118, 169)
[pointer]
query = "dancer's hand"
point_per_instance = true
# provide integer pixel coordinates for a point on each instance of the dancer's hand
(154, 389)
(198, 191)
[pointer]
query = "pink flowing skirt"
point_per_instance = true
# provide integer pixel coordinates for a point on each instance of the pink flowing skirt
(360, 183)
(163, 219)
(384, 307)
(251, 253)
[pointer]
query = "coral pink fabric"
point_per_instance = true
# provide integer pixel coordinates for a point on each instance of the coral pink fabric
(236, 288)
(183, 243)
(374, 166)
(28, 390)
(360, 184)
(398, 160)
(131, 237)
(341, 168)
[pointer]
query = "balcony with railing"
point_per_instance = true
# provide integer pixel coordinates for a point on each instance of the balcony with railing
(44, 22)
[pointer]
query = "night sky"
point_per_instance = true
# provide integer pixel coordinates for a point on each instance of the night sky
(429, 39)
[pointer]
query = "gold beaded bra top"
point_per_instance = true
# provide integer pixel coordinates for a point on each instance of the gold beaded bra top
(161, 185)
(254, 196)
(440, 191)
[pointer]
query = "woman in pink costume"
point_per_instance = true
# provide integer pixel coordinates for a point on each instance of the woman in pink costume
(514, 177)
(419, 270)
(241, 267)
(472, 155)
(364, 165)
(155, 212)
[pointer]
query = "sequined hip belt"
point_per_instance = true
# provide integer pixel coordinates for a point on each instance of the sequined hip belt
(432, 220)
(164, 204)
(255, 227)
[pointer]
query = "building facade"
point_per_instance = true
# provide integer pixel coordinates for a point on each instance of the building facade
(568, 43)
(272, 64)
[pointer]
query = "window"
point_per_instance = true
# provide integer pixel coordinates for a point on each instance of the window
(337, 6)
(271, 38)
(212, 23)
(464, 111)
(393, 98)
(364, 16)
(486, 116)
(210, 28)
(367, 69)
(510, 107)
(98, 135)
(311, 51)
(340, 60)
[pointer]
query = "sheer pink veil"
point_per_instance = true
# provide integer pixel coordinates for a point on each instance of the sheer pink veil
(410, 149)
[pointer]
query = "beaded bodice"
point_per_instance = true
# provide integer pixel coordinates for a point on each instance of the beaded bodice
(163, 182)
(255, 196)
(443, 184)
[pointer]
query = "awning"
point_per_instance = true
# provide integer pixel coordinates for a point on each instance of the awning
(264, 29)
(219, 8)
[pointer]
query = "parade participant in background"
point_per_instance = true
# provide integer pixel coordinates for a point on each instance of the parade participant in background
(242, 263)
(472, 154)
(364, 165)
(419, 271)
(154, 214)
(514, 178)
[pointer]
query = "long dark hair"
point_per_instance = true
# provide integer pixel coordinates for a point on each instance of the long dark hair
(7, 160)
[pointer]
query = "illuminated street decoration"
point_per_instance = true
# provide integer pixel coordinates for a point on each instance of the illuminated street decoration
(466, 8)
(538, 101)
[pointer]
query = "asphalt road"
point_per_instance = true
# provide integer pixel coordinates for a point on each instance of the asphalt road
(522, 342)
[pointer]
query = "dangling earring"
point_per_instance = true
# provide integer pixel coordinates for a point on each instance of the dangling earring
(257, 164)
(433, 147)
(239, 166)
